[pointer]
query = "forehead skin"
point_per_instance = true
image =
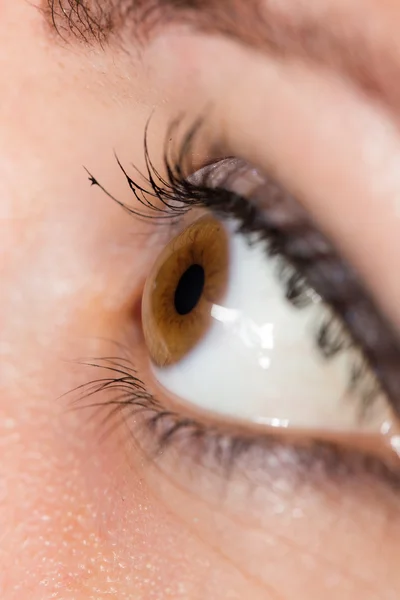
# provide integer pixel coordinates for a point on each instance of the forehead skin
(86, 518)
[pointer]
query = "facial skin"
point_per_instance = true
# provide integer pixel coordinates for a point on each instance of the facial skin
(84, 513)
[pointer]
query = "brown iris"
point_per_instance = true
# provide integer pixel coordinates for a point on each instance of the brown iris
(187, 279)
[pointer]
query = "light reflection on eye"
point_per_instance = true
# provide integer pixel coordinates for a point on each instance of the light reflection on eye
(243, 349)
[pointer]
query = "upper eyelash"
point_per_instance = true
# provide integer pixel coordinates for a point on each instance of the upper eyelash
(168, 198)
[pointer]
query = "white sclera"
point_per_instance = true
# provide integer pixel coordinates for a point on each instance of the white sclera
(260, 360)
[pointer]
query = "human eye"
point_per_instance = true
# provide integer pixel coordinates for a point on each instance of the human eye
(252, 326)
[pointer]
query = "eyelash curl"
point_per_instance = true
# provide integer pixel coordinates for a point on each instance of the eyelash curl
(301, 268)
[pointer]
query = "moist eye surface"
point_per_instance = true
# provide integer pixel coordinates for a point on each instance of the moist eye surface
(224, 335)
(249, 312)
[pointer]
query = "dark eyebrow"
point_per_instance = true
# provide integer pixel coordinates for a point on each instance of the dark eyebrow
(332, 37)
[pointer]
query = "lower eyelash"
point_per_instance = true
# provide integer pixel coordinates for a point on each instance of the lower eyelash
(226, 455)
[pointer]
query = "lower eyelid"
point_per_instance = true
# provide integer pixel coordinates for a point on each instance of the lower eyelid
(374, 444)
(330, 454)
(166, 437)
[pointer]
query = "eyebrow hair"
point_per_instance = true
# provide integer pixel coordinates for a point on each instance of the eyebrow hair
(315, 463)
(338, 41)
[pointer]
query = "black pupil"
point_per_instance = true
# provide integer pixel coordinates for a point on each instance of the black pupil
(189, 289)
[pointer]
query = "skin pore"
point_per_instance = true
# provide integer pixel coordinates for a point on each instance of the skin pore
(85, 513)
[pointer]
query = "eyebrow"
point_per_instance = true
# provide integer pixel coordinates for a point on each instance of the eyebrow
(331, 37)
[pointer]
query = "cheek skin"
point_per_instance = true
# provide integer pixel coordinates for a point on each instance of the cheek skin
(75, 521)
(290, 539)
